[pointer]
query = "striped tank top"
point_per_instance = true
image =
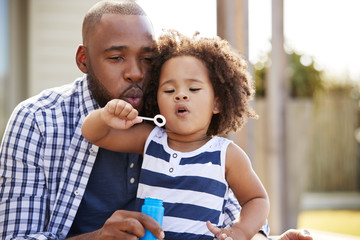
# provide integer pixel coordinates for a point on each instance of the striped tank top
(192, 185)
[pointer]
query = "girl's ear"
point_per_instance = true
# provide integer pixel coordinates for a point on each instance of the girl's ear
(217, 106)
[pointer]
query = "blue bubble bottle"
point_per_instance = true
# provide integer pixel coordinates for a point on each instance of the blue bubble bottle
(154, 208)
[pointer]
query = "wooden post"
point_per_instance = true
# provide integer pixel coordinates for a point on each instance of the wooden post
(232, 25)
(276, 95)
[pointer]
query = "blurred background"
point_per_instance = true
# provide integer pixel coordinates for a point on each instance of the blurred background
(304, 57)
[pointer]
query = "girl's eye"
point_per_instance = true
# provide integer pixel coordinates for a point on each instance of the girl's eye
(169, 91)
(194, 89)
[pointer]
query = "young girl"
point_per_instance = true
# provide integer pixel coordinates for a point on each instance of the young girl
(202, 88)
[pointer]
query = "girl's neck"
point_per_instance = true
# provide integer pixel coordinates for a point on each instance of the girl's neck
(187, 145)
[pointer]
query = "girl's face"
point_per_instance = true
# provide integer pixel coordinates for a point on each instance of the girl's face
(186, 97)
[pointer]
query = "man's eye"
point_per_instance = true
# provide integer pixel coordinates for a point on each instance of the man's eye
(147, 59)
(116, 58)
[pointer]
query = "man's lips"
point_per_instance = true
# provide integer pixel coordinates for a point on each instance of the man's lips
(134, 101)
(133, 96)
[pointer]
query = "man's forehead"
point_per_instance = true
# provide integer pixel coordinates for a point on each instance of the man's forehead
(128, 21)
(125, 47)
(123, 30)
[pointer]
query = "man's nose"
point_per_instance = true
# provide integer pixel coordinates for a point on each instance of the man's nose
(134, 72)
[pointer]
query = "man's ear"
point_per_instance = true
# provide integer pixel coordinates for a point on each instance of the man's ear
(217, 106)
(81, 59)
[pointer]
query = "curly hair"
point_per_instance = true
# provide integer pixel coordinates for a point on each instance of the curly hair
(227, 71)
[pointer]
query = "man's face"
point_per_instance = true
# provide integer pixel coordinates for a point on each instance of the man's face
(119, 52)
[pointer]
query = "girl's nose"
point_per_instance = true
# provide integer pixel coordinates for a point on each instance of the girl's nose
(181, 97)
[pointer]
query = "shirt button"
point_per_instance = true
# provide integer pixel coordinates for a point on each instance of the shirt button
(175, 155)
(91, 150)
(131, 165)
(76, 192)
(132, 180)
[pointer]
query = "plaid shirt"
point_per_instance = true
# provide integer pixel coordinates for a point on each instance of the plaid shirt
(45, 164)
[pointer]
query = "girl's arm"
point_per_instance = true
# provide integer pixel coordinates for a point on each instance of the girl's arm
(112, 128)
(249, 191)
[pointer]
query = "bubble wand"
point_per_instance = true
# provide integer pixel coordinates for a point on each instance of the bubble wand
(159, 120)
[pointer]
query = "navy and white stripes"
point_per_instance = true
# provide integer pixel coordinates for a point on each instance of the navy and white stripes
(191, 184)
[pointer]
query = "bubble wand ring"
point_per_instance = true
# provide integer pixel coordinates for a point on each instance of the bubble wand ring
(159, 120)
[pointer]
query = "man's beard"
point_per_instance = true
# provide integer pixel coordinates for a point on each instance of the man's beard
(101, 94)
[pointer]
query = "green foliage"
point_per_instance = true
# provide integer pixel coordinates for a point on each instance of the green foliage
(259, 77)
(305, 80)
(342, 86)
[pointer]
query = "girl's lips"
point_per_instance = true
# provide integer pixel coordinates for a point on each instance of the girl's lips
(181, 110)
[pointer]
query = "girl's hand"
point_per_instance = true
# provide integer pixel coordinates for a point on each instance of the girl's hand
(222, 233)
(120, 114)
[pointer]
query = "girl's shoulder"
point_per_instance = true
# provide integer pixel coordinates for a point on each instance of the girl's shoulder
(158, 132)
(220, 142)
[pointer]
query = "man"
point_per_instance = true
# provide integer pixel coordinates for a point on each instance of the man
(54, 184)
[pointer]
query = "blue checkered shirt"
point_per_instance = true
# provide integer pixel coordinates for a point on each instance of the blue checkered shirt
(45, 164)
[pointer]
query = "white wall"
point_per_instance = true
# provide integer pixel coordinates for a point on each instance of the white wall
(54, 29)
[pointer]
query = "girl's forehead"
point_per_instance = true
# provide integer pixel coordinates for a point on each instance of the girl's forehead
(180, 63)
(184, 69)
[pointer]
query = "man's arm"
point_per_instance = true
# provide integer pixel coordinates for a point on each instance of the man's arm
(23, 194)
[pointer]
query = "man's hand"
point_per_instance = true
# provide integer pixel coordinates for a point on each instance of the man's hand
(125, 225)
(293, 234)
